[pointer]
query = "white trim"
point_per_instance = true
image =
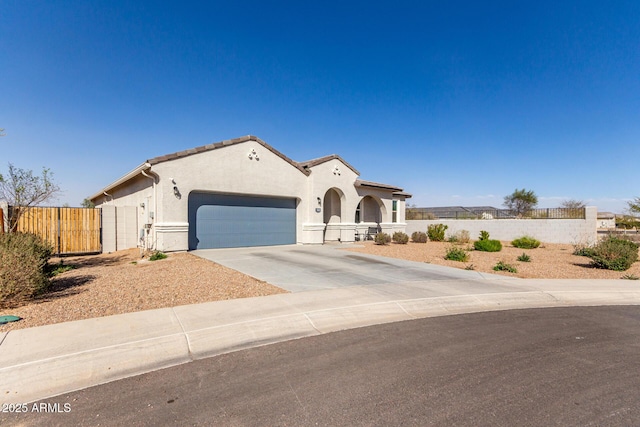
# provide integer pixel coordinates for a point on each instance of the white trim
(172, 227)
(313, 227)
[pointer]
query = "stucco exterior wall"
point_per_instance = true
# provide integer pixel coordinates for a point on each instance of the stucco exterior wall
(137, 193)
(225, 170)
(248, 168)
(332, 174)
(569, 231)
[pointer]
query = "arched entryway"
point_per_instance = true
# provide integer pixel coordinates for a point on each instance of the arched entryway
(368, 216)
(369, 210)
(332, 214)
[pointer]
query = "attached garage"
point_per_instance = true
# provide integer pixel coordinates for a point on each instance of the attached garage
(243, 192)
(231, 221)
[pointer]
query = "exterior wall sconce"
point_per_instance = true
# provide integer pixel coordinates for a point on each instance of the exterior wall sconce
(142, 205)
(176, 192)
(253, 154)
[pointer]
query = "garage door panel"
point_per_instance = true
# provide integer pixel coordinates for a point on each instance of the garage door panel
(223, 221)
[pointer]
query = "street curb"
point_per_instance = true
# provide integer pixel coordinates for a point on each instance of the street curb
(38, 363)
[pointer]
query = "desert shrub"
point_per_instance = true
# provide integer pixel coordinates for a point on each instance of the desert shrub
(526, 242)
(628, 222)
(615, 254)
(503, 266)
(484, 235)
(461, 236)
(382, 239)
(400, 237)
(61, 267)
(436, 232)
(456, 254)
(630, 277)
(469, 267)
(157, 255)
(23, 267)
(524, 258)
(583, 250)
(419, 237)
(487, 245)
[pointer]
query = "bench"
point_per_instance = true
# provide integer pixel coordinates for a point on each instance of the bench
(371, 233)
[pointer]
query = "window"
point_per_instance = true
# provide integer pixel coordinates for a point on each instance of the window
(394, 211)
(358, 212)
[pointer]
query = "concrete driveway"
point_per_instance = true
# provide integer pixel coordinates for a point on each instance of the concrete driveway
(299, 268)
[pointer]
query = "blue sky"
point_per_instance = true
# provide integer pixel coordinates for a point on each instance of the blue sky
(458, 102)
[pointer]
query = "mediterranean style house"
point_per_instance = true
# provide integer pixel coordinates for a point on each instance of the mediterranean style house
(243, 192)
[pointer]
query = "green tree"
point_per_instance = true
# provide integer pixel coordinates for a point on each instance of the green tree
(23, 190)
(86, 203)
(634, 206)
(521, 201)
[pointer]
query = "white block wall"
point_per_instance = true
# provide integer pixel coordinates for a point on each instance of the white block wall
(119, 228)
(570, 231)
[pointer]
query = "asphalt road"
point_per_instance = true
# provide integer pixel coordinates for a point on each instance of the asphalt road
(543, 367)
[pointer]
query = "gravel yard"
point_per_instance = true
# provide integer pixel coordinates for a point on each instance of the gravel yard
(549, 261)
(121, 282)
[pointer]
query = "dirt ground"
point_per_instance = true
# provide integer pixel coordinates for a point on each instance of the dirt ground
(549, 261)
(122, 282)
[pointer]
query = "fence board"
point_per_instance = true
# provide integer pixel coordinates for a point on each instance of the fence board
(68, 230)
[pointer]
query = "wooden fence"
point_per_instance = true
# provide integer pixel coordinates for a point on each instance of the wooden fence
(68, 230)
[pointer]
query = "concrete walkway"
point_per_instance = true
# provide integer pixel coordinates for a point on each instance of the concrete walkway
(42, 362)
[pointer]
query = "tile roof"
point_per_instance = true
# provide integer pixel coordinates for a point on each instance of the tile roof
(226, 143)
(304, 167)
(314, 162)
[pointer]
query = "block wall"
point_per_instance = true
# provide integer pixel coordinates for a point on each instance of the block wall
(570, 231)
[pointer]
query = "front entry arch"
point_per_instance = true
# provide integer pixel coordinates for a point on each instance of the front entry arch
(369, 210)
(332, 214)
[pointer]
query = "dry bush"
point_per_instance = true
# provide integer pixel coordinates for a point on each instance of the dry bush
(23, 267)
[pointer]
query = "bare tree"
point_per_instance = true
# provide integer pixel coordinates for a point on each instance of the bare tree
(410, 211)
(24, 190)
(572, 204)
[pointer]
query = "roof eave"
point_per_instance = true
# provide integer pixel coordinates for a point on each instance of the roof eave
(130, 175)
(361, 183)
(320, 160)
(403, 194)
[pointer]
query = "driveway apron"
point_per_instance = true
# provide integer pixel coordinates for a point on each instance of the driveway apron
(299, 268)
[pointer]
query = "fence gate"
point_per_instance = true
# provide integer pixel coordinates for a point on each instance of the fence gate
(68, 230)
